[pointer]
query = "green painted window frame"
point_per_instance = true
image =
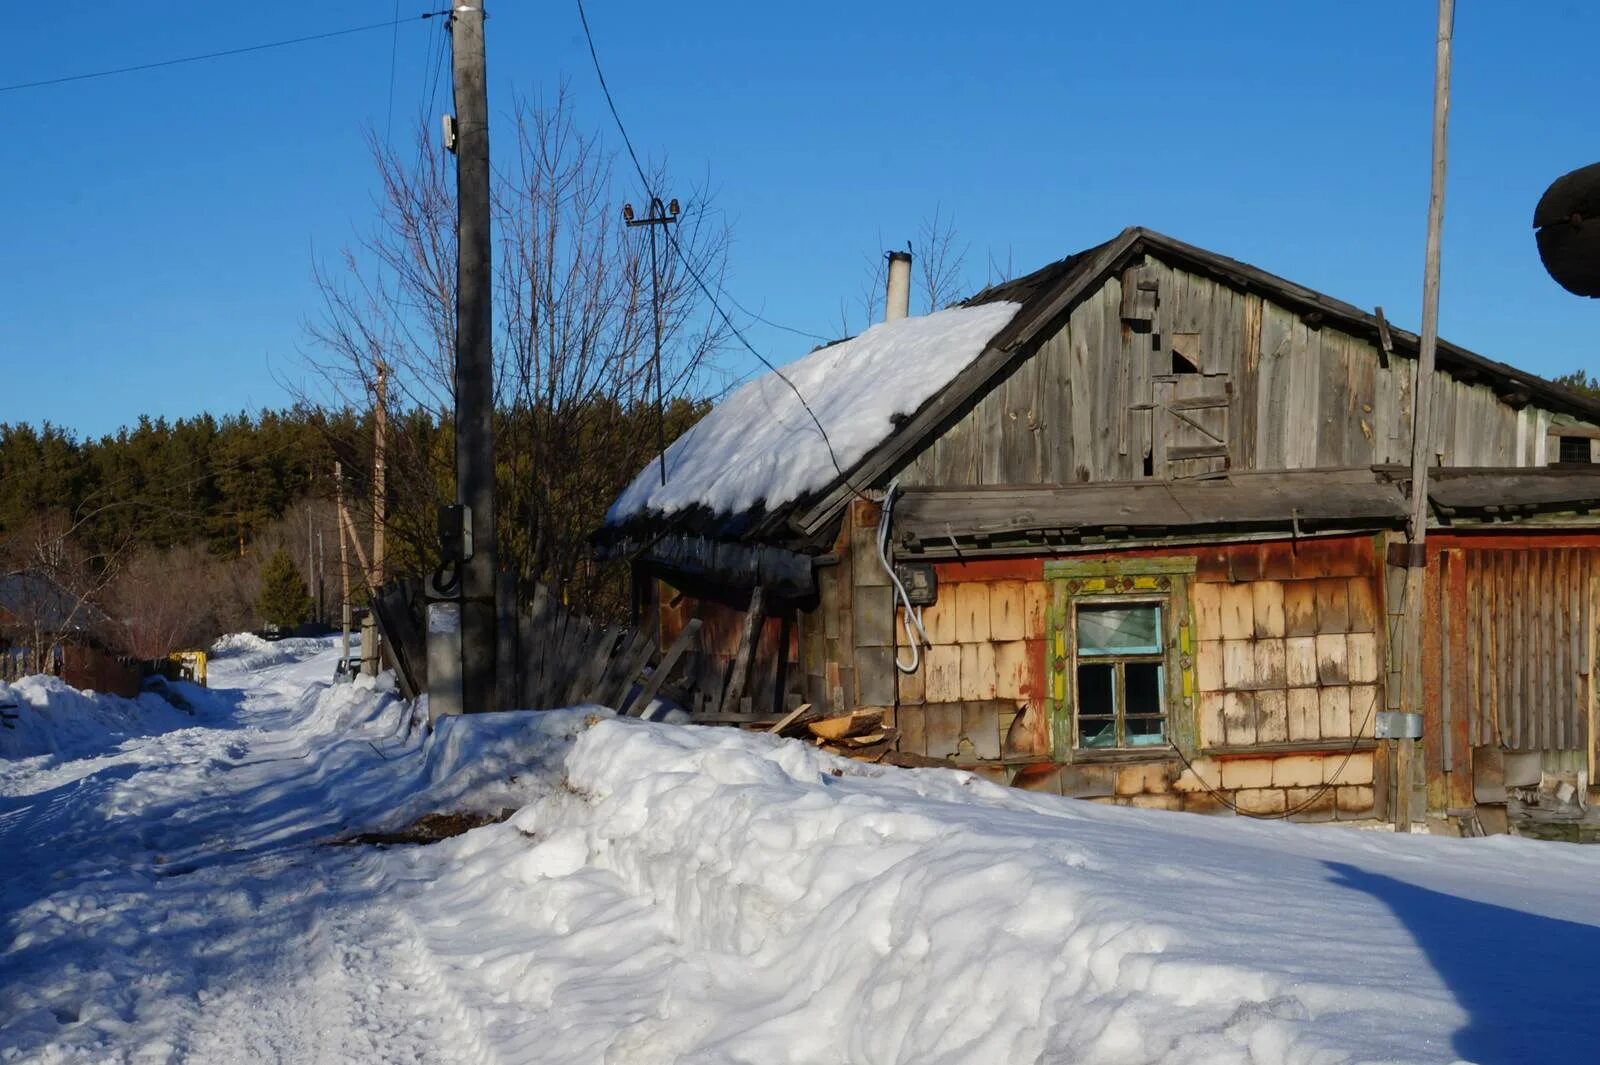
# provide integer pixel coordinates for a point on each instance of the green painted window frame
(1165, 581)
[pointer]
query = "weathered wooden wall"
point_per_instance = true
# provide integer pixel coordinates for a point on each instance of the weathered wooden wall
(1280, 677)
(978, 696)
(1290, 661)
(774, 676)
(1099, 400)
(1511, 643)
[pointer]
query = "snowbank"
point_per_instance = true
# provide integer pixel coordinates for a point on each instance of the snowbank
(712, 896)
(46, 716)
(760, 444)
(669, 894)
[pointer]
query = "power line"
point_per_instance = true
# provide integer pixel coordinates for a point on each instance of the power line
(394, 51)
(677, 248)
(215, 55)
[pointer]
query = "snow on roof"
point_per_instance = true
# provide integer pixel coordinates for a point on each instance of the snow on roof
(759, 444)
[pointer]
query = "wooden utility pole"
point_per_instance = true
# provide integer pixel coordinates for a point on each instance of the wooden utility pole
(474, 379)
(1422, 419)
(380, 516)
(656, 217)
(344, 564)
(380, 467)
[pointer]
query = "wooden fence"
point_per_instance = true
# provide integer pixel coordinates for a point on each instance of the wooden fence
(559, 657)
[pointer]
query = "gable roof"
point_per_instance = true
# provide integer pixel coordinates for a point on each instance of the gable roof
(1037, 304)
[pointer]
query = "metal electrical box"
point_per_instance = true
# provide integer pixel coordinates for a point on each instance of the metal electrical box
(1394, 725)
(920, 582)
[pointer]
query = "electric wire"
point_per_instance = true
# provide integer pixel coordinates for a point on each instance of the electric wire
(900, 589)
(689, 267)
(180, 60)
(1310, 801)
(912, 616)
(394, 51)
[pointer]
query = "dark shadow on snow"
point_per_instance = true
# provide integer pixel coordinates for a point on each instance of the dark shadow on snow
(1523, 979)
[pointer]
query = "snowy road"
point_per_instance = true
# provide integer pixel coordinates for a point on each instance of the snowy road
(166, 901)
(669, 894)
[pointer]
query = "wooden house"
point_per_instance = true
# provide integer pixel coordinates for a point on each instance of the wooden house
(1148, 495)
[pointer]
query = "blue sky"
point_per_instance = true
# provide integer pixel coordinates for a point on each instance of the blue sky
(161, 226)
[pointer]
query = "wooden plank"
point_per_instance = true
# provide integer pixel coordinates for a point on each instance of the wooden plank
(1434, 681)
(754, 614)
(1196, 451)
(933, 515)
(1591, 589)
(1237, 611)
(1212, 401)
(1300, 608)
(1300, 661)
(1303, 711)
(1333, 604)
(942, 729)
(1239, 717)
(942, 666)
(1546, 594)
(972, 612)
(663, 670)
(1561, 666)
(1007, 610)
(1272, 716)
(791, 718)
(1268, 609)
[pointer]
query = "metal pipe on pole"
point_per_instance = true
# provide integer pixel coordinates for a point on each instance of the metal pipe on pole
(474, 372)
(1422, 416)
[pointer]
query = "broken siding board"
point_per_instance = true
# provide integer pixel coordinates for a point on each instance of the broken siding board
(1243, 415)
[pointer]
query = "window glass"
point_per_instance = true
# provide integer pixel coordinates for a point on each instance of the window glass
(1097, 705)
(1105, 629)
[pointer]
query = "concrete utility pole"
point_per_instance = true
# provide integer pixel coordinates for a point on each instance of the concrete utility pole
(1422, 418)
(474, 356)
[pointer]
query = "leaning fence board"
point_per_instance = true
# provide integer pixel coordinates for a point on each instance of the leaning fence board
(664, 668)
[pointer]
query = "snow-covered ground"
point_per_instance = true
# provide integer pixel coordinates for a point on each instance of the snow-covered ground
(673, 894)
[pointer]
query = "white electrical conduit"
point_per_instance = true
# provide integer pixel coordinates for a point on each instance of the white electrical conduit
(916, 635)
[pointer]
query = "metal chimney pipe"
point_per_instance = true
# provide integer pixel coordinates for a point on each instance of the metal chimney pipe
(897, 300)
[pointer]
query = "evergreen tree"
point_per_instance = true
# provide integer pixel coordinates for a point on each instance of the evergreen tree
(284, 600)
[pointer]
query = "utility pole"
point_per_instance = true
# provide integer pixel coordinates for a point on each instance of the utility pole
(474, 356)
(380, 517)
(657, 217)
(1422, 422)
(344, 564)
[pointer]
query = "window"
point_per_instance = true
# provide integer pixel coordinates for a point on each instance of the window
(1573, 449)
(1119, 658)
(1120, 673)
